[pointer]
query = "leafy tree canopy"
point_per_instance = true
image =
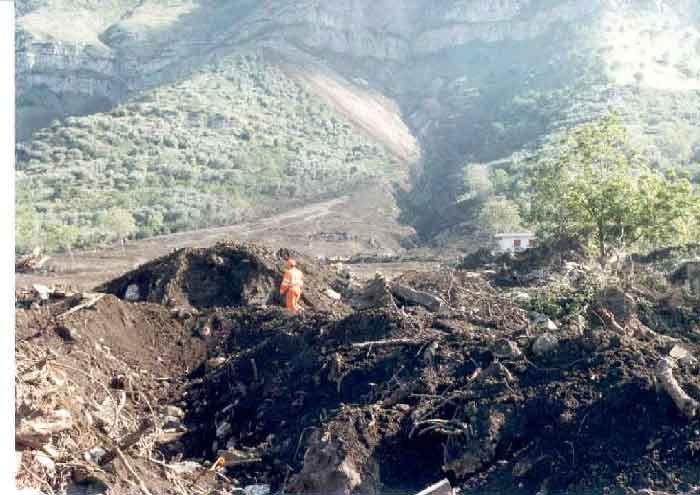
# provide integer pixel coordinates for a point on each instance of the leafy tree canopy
(594, 186)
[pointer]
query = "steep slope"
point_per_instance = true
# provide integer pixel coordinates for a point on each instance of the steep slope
(474, 81)
(207, 150)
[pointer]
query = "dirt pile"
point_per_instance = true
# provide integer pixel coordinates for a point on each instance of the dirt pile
(441, 374)
(226, 275)
(96, 388)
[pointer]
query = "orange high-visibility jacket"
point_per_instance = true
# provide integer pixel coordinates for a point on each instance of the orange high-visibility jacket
(293, 277)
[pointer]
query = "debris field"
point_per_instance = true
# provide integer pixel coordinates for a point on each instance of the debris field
(187, 376)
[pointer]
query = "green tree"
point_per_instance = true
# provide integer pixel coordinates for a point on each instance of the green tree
(27, 228)
(594, 187)
(60, 237)
(499, 214)
(476, 182)
(119, 223)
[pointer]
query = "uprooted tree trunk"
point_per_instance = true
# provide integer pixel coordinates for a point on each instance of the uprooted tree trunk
(664, 374)
(634, 328)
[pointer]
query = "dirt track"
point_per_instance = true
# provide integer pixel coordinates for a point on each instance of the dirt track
(361, 222)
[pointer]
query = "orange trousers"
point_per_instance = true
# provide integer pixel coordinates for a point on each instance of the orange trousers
(293, 296)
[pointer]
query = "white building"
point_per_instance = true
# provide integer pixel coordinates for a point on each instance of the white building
(513, 242)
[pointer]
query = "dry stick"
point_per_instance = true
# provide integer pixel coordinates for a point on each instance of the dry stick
(386, 343)
(176, 480)
(127, 441)
(117, 413)
(301, 436)
(255, 370)
(87, 304)
(142, 485)
(662, 471)
(685, 404)
(37, 478)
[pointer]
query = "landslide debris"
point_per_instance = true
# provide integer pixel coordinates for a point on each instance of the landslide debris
(96, 391)
(479, 390)
(517, 389)
(226, 275)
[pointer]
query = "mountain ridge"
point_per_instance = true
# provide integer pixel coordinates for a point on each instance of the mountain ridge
(440, 86)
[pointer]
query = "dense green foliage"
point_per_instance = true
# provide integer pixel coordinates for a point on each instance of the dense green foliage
(593, 186)
(197, 153)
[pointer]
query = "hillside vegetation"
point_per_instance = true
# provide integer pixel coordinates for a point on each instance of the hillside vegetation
(193, 154)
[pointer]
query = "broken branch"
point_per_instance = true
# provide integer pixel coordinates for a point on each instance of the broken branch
(685, 404)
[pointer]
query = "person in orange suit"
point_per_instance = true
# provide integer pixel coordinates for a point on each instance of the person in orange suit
(292, 284)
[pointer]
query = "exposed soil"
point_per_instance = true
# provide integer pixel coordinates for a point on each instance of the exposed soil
(366, 394)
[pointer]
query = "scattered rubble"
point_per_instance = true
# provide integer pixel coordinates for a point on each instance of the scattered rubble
(32, 262)
(203, 383)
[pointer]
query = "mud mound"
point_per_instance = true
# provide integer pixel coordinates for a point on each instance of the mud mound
(228, 274)
(350, 404)
(90, 381)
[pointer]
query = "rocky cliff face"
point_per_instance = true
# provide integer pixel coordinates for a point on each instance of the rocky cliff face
(74, 57)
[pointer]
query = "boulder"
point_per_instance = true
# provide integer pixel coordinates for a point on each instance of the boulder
(132, 293)
(543, 322)
(257, 490)
(411, 295)
(544, 344)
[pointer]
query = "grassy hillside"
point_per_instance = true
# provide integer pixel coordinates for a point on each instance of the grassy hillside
(197, 153)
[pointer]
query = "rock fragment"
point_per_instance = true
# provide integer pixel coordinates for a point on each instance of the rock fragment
(544, 344)
(185, 467)
(95, 455)
(69, 334)
(132, 293)
(223, 430)
(333, 294)
(174, 411)
(215, 363)
(543, 322)
(257, 490)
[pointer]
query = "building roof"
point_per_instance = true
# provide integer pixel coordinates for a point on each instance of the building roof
(515, 234)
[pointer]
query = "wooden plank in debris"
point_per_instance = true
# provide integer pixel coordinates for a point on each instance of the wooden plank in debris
(387, 343)
(688, 406)
(440, 488)
(92, 300)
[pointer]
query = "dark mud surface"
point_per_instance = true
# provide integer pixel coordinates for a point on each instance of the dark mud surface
(392, 396)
